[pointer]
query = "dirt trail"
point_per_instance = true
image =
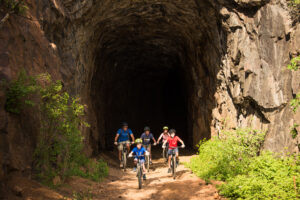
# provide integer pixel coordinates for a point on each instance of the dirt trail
(123, 185)
(159, 183)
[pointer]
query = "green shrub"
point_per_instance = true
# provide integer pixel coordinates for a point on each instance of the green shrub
(60, 142)
(235, 158)
(226, 157)
(95, 170)
(18, 92)
(267, 177)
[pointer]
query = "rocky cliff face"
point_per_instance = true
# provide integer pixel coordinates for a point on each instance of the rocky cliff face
(197, 65)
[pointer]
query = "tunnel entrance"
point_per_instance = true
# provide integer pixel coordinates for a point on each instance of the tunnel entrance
(143, 90)
(154, 64)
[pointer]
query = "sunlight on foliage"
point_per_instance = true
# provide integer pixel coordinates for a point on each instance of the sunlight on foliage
(235, 158)
(60, 142)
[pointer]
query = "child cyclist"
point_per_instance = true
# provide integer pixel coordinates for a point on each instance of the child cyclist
(173, 147)
(146, 138)
(139, 151)
(164, 135)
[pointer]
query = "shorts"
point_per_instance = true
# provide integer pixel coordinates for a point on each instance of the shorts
(141, 160)
(172, 151)
(147, 147)
(120, 146)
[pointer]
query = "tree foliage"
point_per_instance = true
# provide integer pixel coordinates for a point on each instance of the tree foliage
(247, 172)
(60, 142)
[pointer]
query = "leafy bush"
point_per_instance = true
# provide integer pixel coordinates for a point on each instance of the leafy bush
(267, 177)
(236, 159)
(18, 92)
(222, 158)
(60, 142)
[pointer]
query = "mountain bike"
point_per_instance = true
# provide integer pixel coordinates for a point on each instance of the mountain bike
(139, 171)
(173, 161)
(165, 152)
(124, 156)
(147, 157)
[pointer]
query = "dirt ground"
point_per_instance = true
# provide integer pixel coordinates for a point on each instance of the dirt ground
(122, 185)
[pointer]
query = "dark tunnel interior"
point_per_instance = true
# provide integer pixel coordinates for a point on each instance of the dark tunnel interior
(154, 69)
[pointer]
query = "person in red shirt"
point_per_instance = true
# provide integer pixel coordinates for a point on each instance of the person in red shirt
(173, 146)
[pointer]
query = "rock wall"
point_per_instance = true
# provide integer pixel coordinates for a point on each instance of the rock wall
(232, 55)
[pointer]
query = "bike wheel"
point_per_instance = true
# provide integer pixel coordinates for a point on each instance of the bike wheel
(140, 174)
(148, 163)
(174, 166)
(124, 161)
(166, 154)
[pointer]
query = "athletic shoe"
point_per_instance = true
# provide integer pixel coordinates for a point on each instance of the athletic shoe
(144, 176)
(121, 164)
(169, 170)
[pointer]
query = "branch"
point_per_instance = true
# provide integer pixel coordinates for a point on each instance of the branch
(4, 19)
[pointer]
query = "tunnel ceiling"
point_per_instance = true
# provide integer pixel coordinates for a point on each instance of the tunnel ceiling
(137, 46)
(125, 48)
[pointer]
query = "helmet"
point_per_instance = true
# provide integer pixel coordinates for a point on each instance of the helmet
(165, 128)
(147, 128)
(172, 131)
(139, 141)
(124, 124)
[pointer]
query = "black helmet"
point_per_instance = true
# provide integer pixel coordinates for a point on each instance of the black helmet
(172, 131)
(147, 128)
(124, 124)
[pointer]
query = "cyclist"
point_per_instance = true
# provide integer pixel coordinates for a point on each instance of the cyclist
(146, 137)
(173, 147)
(122, 137)
(139, 150)
(164, 135)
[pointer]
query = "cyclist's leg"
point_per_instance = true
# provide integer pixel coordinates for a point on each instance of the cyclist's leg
(177, 155)
(135, 161)
(120, 148)
(149, 149)
(143, 165)
(128, 146)
(169, 157)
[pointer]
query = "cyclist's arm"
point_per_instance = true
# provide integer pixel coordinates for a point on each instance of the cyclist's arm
(165, 142)
(159, 138)
(180, 141)
(132, 137)
(116, 138)
(153, 138)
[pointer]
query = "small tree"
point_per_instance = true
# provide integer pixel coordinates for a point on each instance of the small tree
(60, 142)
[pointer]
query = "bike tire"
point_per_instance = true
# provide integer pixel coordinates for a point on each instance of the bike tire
(166, 154)
(174, 166)
(148, 163)
(124, 161)
(140, 177)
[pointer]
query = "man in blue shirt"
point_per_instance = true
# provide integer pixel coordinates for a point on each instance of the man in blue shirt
(147, 137)
(122, 138)
(139, 151)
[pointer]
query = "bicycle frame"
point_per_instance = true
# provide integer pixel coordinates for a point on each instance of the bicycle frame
(139, 171)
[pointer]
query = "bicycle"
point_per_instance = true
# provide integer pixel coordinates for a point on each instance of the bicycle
(173, 162)
(124, 156)
(139, 171)
(147, 157)
(165, 152)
